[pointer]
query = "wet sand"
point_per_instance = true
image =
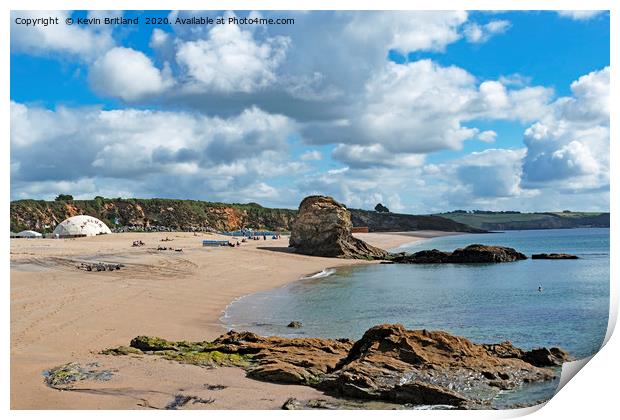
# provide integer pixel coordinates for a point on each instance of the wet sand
(61, 314)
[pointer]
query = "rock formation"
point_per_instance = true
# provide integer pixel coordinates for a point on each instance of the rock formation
(431, 367)
(554, 257)
(471, 254)
(389, 363)
(323, 228)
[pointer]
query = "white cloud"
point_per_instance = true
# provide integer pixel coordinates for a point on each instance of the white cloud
(311, 155)
(491, 173)
(422, 107)
(580, 14)
(487, 136)
(407, 31)
(231, 60)
(282, 61)
(515, 80)
(128, 74)
(476, 33)
(83, 42)
(366, 156)
(382, 118)
(569, 146)
(159, 38)
(156, 152)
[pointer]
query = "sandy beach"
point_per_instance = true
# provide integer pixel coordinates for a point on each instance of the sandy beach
(62, 314)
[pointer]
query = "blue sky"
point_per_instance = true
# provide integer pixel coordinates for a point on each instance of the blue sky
(423, 111)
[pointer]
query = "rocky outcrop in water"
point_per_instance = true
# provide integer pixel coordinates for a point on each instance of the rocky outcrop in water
(554, 256)
(430, 367)
(389, 363)
(323, 228)
(471, 254)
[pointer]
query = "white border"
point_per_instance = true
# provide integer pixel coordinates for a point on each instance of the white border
(593, 393)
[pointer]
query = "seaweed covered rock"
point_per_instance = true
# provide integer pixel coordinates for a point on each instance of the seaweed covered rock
(323, 228)
(146, 343)
(201, 353)
(64, 376)
(389, 363)
(475, 253)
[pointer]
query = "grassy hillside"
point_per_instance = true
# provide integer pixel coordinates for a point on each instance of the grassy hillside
(516, 221)
(395, 222)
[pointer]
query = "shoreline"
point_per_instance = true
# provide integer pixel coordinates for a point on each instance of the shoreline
(373, 239)
(417, 236)
(60, 314)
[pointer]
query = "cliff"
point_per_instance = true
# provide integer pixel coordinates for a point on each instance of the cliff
(150, 214)
(193, 215)
(396, 222)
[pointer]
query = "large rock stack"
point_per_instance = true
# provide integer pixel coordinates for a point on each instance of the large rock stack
(323, 228)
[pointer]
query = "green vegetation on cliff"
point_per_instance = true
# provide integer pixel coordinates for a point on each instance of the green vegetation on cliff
(191, 215)
(194, 215)
(516, 220)
(138, 214)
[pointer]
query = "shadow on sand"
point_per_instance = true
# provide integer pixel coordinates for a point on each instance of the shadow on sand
(286, 250)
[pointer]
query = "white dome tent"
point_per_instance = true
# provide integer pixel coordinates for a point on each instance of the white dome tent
(81, 226)
(28, 234)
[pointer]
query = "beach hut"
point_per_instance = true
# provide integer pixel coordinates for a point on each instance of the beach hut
(78, 226)
(28, 234)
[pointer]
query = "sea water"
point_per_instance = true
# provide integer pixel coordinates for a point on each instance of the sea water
(487, 303)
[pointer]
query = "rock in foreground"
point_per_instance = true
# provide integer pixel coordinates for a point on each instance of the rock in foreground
(389, 363)
(323, 228)
(471, 254)
(554, 256)
(432, 367)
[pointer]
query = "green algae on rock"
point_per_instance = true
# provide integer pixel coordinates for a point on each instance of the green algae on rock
(208, 358)
(388, 364)
(146, 343)
(122, 351)
(202, 353)
(63, 377)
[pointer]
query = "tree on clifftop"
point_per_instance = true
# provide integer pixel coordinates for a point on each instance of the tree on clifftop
(64, 197)
(381, 208)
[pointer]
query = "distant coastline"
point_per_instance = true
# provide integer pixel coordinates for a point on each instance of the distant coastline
(168, 215)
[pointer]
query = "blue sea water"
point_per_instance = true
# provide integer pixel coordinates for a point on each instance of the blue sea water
(487, 303)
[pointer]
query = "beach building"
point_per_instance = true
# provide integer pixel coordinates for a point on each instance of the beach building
(359, 229)
(28, 234)
(78, 226)
(213, 242)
